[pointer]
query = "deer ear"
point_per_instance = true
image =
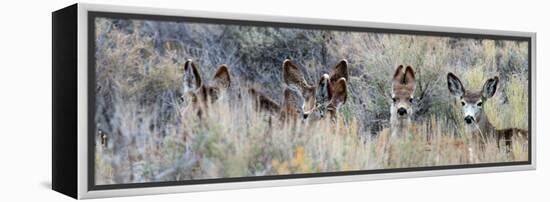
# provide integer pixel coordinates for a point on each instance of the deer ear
(339, 92)
(191, 76)
(398, 75)
(490, 87)
(455, 86)
(292, 75)
(340, 70)
(409, 77)
(221, 78)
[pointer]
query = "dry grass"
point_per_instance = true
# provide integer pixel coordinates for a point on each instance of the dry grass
(232, 142)
(153, 136)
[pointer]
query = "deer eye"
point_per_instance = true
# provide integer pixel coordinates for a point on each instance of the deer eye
(479, 104)
(411, 100)
(394, 100)
(463, 103)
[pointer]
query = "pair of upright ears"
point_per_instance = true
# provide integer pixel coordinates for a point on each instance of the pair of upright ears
(404, 77)
(193, 79)
(457, 89)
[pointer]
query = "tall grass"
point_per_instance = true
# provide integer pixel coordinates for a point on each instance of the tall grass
(154, 136)
(232, 142)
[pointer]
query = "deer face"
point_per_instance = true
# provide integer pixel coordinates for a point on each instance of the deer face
(294, 77)
(403, 87)
(471, 102)
(329, 97)
(219, 84)
(323, 98)
(293, 104)
(195, 91)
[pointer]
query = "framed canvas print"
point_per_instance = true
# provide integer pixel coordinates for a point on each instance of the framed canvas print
(149, 101)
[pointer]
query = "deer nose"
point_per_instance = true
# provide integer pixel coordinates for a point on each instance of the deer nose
(402, 111)
(305, 116)
(469, 119)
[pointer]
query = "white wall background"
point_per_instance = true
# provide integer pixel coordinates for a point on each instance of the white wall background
(25, 102)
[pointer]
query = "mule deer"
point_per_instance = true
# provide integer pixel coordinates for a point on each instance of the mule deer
(198, 94)
(476, 121)
(401, 110)
(326, 97)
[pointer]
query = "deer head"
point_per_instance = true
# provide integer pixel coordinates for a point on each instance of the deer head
(472, 101)
(293, 104)
(293, 76)
(195, 91)
(326, 96)
(402, 95)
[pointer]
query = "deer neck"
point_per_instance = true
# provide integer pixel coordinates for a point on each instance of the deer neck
(483, 126)
(399, 126)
